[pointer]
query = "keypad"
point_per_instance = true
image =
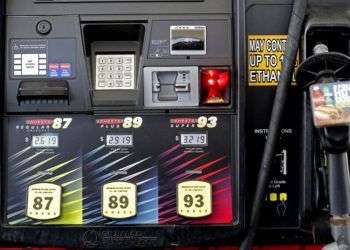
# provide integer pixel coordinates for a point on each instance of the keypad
(115, 72)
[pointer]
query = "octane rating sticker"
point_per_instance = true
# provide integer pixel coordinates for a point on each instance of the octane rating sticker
(119, 200)
(194, 199)
(44, 201)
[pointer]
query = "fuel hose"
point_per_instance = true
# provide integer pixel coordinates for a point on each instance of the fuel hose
(292, 46)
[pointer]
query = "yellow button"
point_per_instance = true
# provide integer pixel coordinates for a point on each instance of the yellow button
(283, 197)
(273, 197)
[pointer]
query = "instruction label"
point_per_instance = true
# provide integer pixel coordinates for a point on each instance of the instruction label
(265, 57)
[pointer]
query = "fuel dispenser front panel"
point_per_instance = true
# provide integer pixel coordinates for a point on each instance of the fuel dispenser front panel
(121, 123)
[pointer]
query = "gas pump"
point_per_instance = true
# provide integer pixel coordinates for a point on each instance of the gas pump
(130, 124)
(121, 123)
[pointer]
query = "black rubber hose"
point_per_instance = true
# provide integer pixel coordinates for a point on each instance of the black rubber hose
(294, 35)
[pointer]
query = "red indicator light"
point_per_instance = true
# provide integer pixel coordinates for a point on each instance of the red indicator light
(215, 85)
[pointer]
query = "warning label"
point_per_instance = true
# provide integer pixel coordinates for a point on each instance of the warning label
(265, 57)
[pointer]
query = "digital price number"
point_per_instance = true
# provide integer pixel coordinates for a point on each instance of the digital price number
(45, 141)
(120, 140)
(119, 200)
(194, 139)
(194, 199)
(44, 201)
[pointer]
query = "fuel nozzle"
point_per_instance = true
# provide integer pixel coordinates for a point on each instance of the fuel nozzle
(325, 74)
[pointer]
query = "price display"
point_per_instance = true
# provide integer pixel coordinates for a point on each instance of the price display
(45, 141)
(44, 201)
(121, 140)
(119, 200)
(194, 139)
(194, 199)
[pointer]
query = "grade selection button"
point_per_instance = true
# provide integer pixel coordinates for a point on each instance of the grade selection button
(119, 200)
(194, 199)
(44, 201)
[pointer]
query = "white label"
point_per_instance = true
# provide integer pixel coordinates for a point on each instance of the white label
(44, 201)
(30, 64)
(119, 200)
(194, 199)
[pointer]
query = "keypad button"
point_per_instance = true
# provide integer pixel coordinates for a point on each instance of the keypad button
(101, 84)
(119, 68)
(127, 75)
(128, 60)
(110, 68)
(102, 69)
(119, 83)
(110, 60)
(110, 84)
(110, 76)
(128, 68)
(127, 83)
(118, 76)
(120, 60)
(102, 60)
(102, 76)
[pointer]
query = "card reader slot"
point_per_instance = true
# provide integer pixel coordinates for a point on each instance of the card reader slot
(54, 92)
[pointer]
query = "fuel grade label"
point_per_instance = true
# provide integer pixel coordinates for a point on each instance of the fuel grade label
(194, 199)
(44, 201)
(119, 200)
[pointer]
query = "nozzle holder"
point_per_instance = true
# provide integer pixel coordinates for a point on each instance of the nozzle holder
(323, 67)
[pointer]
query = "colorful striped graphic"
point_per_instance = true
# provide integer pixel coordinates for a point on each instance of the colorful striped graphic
(28, 167)
(103, 165)
(177, 165)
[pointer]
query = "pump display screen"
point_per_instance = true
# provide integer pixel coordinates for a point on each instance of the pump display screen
(194, 139)
(119, 140)
(188, 40)
(45, 141)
